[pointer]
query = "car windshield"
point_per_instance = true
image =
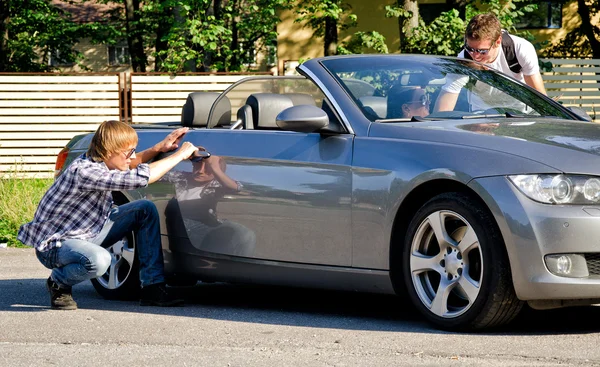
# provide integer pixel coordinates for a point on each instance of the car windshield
(401, 88)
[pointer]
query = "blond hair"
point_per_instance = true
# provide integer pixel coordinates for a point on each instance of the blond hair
(111, 137)
(484, 27)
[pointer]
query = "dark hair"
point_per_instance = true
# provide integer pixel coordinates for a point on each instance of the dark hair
(399, 95)
(484, 27)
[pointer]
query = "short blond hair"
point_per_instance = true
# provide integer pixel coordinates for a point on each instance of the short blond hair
(484, 27)
(111, 137)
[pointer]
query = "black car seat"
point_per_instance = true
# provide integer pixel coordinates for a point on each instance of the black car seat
(196, 108)
(374, 105)
(265, 108)
(301, 99)
(244, 114)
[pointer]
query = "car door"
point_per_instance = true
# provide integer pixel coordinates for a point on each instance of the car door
(292, 202)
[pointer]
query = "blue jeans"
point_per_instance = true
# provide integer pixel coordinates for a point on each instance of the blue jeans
(78, 260)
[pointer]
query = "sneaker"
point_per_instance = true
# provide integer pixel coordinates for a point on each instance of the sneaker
(158, 295)
(60, 298)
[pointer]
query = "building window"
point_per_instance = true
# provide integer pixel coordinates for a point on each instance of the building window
(55, 59)
(248, 53)
(271, 56)
(118, 54)
(547, 15)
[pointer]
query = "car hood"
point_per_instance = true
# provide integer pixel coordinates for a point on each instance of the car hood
(568, 146)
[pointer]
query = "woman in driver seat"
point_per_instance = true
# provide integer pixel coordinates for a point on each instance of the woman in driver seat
(403, 102)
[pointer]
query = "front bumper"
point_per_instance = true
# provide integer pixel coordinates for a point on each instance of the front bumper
(533, 230)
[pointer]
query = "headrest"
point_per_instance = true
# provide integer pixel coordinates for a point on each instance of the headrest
(359, 88)
(301, 98)
(197, 107)
(266, 107)
(377, 104)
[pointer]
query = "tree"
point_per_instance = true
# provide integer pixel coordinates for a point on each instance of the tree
(196, 35)
(32, 30)
(325, 17)
(585, 39)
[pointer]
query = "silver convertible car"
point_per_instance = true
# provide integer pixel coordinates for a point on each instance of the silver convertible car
(353, 176)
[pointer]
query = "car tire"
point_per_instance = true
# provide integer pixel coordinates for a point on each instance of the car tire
(122, 279)
(455, 265)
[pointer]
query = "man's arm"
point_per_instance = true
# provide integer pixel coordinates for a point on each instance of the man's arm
(159, 168)
(169, 143)
(214, 164)
(535, 81)
(446, 101)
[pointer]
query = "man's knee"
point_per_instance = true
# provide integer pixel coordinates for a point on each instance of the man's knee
(99, 262)
(148, 207)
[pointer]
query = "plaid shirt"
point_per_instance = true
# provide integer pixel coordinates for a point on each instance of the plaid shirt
(78, 203)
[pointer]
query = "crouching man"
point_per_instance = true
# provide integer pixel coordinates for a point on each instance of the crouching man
(75, 218)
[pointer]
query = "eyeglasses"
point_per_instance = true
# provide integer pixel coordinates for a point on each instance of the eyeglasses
(481, 51)
(129, 153)
(424, 100)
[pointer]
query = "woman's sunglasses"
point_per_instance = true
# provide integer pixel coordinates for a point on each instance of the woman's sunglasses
(424, 100)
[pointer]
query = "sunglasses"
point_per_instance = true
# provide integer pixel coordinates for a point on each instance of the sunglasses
(129, 153)
(424, 100)
(481, 51)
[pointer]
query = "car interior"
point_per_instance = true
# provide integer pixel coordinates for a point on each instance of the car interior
(258, 111)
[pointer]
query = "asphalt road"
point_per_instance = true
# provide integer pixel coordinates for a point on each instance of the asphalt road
(226, 325)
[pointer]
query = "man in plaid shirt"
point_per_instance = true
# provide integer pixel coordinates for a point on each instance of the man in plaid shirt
(75, 219)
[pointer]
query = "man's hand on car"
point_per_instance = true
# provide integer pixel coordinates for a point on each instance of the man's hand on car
(171, 142)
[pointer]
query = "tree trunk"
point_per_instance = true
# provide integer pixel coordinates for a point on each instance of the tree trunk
(134, 36)
(331, 37)
(408, 25)
(4, 20)
(588, 28)
(235, 45)
(159, 44)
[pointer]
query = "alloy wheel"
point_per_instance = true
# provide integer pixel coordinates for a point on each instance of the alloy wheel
(446, 264)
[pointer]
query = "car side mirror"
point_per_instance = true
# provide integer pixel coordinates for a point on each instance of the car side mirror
(580, 112)
(302, 118)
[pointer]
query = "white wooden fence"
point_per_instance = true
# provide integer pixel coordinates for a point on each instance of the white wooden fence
(39, 113)
(156, 98)
(576, 83)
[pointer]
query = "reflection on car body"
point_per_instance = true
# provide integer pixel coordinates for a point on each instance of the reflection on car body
(464, 213)
(194, 206)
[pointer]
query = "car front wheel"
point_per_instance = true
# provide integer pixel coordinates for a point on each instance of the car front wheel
(455, 265)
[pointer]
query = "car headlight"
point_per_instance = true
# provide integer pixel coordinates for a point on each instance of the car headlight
(559, 189)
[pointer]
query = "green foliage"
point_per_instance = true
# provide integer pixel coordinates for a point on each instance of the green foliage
(393, 11)
(30, 31)
(316, 12)
(443, 36)
(199, 35)
(364, 42)
(18, 201)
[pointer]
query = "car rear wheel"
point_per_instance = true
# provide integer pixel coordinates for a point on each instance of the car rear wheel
(122, 279)
(455, 265)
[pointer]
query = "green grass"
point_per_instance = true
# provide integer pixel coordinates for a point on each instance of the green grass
(19, 198)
